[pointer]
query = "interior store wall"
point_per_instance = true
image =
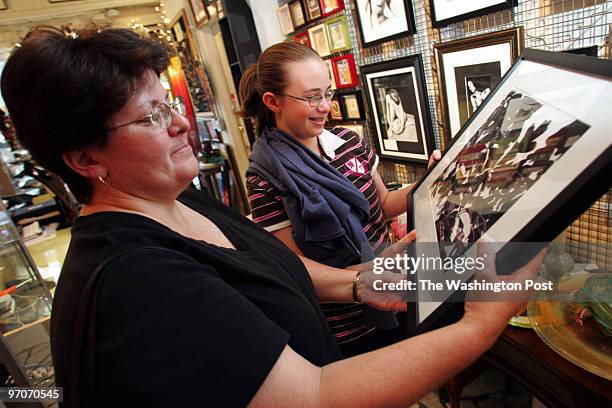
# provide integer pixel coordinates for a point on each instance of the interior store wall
(551, 25)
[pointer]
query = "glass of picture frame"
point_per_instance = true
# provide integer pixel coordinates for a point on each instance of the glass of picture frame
(345, 72)
(284, 19)
(303, 38)
(199, 12)
(331, 6)
(445, 12)
(335, 112)
(384, 20)
(338, 34)
(313, 9)
(468, 71)
(297, 13)
(533, 157)
(396, 95)
(318, 40)
(352, 106)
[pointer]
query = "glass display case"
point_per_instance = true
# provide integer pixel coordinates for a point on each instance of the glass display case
(25, 309)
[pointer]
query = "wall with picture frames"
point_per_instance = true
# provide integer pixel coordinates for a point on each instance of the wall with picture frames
(577, 26)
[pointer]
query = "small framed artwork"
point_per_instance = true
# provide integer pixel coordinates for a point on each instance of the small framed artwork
(297, 13)
(384, 20)
(534, 156)
(199, 12)
(335, 112)
(303, 38)
(331, 6)
(331, 74)
(396, 94)
(345, 72)
(468, 71)
(313, 9)
(338, 34)
(352, 106)
(445, 12)
(284, 19)
(318, 40)
(179, 34)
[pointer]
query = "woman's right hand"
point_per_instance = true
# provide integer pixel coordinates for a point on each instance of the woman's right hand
(489, 311)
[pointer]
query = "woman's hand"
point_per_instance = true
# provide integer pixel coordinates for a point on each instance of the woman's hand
(490, 311)
(384, 290)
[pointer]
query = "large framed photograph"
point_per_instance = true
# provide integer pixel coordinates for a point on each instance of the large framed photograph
(284, 19)
(345, 72)
(445, 12)
(352, 106)
(297, 13)
(199, 12)
(468, 71)
(318, 40)
(396, 95)
(384, 20)
(533, 157)
(313, 9)
(338, 34)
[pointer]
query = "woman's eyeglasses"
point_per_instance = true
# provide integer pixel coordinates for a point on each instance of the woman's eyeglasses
(161, 115)
(314, 101)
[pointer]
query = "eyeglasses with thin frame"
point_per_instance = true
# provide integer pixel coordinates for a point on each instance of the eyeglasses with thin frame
(161, 115)
(315, 100)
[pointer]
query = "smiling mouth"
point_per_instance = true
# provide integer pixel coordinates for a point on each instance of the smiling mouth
(318, 120)
(182, 148)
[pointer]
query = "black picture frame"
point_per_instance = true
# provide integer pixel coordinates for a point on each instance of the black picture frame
(502, 47)
(396, 24)
(401, 84)
(441, 17)
(565, 144)
(356, 101)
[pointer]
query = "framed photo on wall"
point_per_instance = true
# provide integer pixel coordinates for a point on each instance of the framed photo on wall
(331, 6)
(331, 74)
(318, 40)
(533, 157)
(345, 72)
(284, 19)
(297, 13)
(338, 34)
(469, 69)
(199, 12)
(352, 106)
(383, 20)
(335, 112)
(313, 9)
(396, 95)
(303, 38)
(445, 12)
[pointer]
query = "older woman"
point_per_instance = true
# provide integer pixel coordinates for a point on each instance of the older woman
(195, 305)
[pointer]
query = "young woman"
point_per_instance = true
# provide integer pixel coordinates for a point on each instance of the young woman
(316, 190)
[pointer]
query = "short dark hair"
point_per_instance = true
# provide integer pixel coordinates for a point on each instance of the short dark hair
(61, 89)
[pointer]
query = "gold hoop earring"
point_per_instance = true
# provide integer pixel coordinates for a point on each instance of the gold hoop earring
(105, 180)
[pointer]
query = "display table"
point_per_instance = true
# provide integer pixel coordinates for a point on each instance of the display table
(553, 380)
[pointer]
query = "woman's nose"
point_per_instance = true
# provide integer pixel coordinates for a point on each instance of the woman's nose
(179, 124)
(325, 105)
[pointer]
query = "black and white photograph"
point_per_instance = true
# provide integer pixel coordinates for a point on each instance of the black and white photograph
(445, 12)
(469, 69)
(514, 147)
(474, 83)
(396, 95)
(382, 20)
(534, 156)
